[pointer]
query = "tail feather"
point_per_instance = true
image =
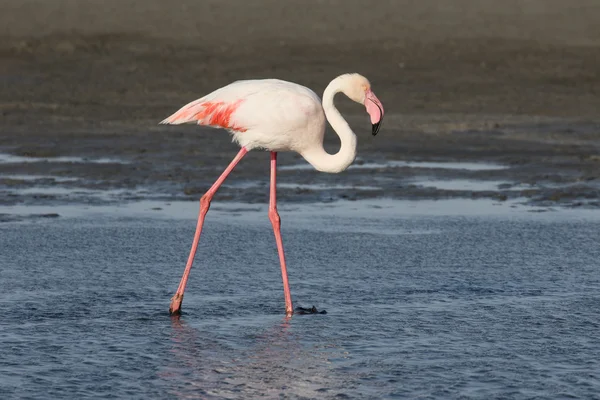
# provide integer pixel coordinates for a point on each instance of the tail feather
(186, 114)
(209, 113)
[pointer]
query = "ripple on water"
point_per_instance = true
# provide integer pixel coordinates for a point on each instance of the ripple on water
(479, 306)
(469, 166)
(13, 159)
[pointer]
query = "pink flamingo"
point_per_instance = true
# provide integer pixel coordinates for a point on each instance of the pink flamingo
(277, 116)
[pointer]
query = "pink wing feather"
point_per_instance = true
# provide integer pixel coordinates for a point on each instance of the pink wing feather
(213, 112)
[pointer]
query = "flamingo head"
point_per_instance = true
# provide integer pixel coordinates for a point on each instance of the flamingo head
(359, 90)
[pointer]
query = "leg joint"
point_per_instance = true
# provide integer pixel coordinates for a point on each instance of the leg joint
(205, 201)
(274, 217)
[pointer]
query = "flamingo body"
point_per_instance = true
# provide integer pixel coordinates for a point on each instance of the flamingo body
(276, 116)
(268, 114)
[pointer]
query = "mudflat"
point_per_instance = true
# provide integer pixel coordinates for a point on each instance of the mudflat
(512, 82)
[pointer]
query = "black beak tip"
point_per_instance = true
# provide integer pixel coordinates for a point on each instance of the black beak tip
(376, 128)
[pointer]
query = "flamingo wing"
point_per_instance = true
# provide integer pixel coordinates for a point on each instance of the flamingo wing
(210, 110)
(218, 109)
(243, 105)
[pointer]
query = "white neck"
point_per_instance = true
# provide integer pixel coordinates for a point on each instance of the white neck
(317, 156)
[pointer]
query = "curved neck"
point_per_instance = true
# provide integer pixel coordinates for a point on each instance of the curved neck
(317, 156)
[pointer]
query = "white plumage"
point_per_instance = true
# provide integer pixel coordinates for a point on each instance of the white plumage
(266, 114)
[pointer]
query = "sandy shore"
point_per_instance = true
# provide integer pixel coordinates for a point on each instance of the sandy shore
(515, 82)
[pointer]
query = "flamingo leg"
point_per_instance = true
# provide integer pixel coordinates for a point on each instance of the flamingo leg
(276, 222)
(176, 300)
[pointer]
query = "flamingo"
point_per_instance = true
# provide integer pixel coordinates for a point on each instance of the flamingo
(276, 115)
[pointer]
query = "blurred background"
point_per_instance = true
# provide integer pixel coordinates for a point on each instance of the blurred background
(83, 57)
(514, 81)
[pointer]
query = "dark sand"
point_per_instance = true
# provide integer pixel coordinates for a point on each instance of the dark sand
(516, 82)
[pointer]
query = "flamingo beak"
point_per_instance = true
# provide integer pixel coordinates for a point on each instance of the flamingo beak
(375, 110)
(376, 127)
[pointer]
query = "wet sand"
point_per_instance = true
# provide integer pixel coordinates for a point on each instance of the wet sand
(515, 84)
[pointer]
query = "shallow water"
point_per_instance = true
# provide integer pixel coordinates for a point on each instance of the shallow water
(467, 184)
(424, 299)
(13, 159)
(36, 178)
(468, 166)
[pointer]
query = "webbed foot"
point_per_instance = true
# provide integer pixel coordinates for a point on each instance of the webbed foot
(312, 310)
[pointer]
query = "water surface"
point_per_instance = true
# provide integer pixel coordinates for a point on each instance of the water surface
(424, 299)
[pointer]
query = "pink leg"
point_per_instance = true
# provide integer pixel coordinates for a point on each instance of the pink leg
(176, 300)
(276, 222)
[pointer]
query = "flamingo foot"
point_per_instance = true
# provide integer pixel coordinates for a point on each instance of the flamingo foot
(312, 310)
(175, 307)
